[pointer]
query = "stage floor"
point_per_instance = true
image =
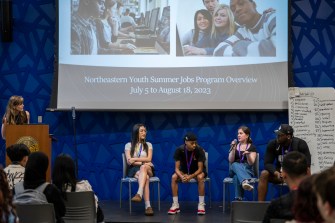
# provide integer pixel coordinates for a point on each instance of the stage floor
(188, 213)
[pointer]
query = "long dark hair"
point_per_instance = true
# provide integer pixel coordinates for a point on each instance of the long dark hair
(207, 16)
(5, 198)
(304, 205)
(64, 173)
(135, 139)
(247, 131)
(36, 170)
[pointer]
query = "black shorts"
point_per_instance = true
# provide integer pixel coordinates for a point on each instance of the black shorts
(205, 174)
(132, 170)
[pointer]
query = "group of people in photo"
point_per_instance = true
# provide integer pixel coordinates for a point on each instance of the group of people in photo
(287, 159)
(238, 29)
(96, 27)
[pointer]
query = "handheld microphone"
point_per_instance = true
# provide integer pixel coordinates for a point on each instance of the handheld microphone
(232, 145)
(73, 112)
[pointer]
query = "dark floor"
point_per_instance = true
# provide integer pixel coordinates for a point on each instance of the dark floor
(188, 213)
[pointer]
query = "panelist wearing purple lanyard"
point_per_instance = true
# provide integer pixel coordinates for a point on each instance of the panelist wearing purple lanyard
(189, 163)
(275, 152)
(139, 155)
(241, 159)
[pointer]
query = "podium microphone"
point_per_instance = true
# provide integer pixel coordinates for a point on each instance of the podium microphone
(73, 112)
(232, 145)
(73, 109)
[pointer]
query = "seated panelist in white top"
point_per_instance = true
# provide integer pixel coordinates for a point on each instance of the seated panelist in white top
(139, 156)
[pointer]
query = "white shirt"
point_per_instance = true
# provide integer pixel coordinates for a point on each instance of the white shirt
(15, 174)
(143, 154)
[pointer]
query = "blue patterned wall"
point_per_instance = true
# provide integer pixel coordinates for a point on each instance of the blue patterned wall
(26, 68)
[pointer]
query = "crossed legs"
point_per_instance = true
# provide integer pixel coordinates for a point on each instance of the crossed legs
(143, 180)
(143, 176)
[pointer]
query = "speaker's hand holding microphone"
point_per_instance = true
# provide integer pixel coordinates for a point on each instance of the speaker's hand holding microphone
(232, 145)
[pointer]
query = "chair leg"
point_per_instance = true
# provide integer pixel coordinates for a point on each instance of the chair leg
(121, 194)
(225, 205)
(228, 199)
(210, 194)
(159, 196)
(129, 189)
(224, 197)
(254, 192)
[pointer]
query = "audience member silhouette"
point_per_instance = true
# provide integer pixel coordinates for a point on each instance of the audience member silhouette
(64, 177)
(35, 175)
(295, 169)
(304, 206)
(18, 155)
(7, 209)
(324, 187)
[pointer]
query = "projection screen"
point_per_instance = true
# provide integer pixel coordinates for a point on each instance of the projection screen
(156, 73)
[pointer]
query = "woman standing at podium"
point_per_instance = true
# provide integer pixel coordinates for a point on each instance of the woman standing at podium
(15, 114)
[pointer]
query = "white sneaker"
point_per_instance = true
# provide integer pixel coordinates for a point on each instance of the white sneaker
(247, 186)
(174, 208)
(201, 208)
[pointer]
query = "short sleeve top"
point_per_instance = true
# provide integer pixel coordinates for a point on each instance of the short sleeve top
(198, 156)
(139, 150)
(243, 158)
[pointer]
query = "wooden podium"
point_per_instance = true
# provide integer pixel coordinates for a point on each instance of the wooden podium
(35, 136)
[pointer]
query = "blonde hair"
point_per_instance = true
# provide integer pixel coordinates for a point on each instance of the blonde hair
(231, 23)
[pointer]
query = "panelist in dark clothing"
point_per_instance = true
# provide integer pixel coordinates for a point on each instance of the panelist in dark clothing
(189, 163)
(273, 159)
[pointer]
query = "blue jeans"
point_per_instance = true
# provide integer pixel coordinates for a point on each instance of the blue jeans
(240, 172)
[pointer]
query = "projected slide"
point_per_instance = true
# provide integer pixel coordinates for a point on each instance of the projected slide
(172, 55)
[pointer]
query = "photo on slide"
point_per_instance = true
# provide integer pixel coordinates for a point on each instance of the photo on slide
(239, 28)
(111, 27)
(167, 71)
